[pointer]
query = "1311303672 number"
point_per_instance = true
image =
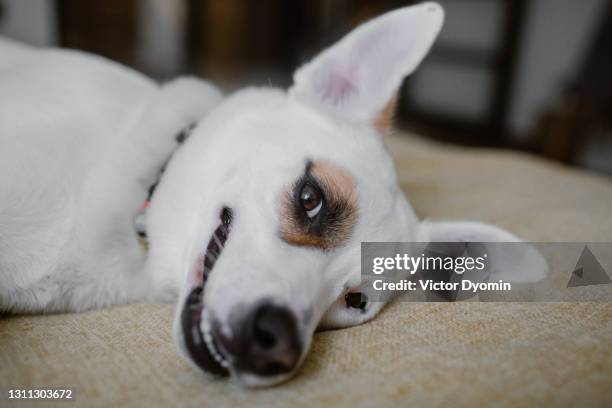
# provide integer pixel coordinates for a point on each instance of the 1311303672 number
(40, 393)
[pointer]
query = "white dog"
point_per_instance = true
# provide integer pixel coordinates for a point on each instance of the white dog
(256, 223)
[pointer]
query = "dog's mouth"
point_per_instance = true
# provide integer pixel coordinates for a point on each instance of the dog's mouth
(200, 343)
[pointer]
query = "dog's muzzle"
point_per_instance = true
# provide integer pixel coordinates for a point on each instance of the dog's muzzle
(266, 340)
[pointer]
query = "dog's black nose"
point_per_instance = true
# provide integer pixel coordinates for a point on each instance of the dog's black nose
(271, 342)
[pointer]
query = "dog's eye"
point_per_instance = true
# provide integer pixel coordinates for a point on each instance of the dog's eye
(311, 199)
(356, 300)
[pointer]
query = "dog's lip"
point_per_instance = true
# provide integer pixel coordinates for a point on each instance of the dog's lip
(195, 343)
(200, 344)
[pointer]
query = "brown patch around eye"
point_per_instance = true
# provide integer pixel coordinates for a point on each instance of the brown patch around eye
(334, 225)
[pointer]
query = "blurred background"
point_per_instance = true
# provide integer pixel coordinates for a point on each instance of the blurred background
(534, 75)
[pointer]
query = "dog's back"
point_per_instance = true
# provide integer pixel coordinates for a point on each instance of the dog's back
(74, 166)
(60, 112)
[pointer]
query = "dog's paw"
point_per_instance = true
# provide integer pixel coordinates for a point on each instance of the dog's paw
(509, 258)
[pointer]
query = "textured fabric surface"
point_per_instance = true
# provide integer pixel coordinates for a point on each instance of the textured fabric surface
(467, 354)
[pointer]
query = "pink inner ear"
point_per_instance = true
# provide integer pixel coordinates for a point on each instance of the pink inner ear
(337, 88)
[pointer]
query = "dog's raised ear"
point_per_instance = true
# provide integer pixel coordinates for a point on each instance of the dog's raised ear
(359, 76)
(515, 262)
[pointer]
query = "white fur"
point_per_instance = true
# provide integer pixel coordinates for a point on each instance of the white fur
(82, 139)
(358, 75)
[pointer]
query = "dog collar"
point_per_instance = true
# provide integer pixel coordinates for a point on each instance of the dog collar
(140, 224)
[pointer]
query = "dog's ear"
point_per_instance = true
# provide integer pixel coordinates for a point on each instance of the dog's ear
(359, 76)
(517, 262)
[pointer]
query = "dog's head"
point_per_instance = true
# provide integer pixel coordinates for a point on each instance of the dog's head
(265, 206)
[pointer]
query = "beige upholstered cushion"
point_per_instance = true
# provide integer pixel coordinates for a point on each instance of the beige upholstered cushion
(413, 354)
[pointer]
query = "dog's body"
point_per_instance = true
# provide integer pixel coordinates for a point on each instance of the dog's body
(286, 185)
(82, 139)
